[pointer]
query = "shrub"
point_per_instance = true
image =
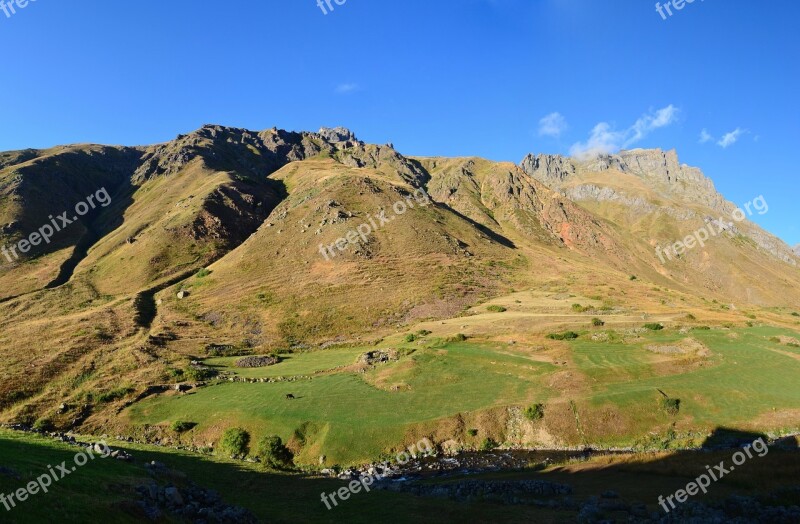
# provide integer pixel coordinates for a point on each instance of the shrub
(273, 453)
(671, 406)
(43, 424)
(654, 327)
(535, 412)
(488, 444)
(423, 333)
(235, 442)
(702, 328)
(198, 373)
(793, 345)
(116, 394)
(180, 426)
(496, 309)
(203, 273)
(596, 322)
(632, 277)
(689, 316)
(579, 308)
(796, 314)
(460, 337)
(411, 337)
(567, 335)
(775, 339)
(472, 432)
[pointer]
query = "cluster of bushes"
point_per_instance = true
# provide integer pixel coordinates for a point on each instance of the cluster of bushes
(579, 308)
(496, 309)
(795, 314)
(654, 326)
(596, 322)
(460, 337)
(270, 450)
(567, 335)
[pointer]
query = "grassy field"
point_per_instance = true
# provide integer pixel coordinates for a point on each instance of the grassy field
(601, 393)
(352, 416)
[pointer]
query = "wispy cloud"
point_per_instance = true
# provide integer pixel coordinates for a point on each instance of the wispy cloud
(728, 139)
(552, 125)
(343, 89)
(605, 139)
(705, 136)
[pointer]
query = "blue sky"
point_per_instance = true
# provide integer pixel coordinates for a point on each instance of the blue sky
(444, 77)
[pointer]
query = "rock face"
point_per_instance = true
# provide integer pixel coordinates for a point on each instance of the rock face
(337, 134)
(661, 169)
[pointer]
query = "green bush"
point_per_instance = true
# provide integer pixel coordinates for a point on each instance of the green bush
(472, 432)
(423, 333)
(198, 374)
(273, 453)
(460, 337)
(632, 277)
(796, 314)
(496, 309)
(689, 316)
(180, 426)
(596, 322)
(203, 273)
(702, 328)
(411, 337)
(579, 308)
(235, 442)
(43, 424)
(567, 335)
(488, 444)
(654, 327)
(671, 406)
(535, 412)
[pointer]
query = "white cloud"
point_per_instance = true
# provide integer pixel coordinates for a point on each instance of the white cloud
(605, 139)
(705, 136)
(552, 125)
(346, 88)
(731, 138)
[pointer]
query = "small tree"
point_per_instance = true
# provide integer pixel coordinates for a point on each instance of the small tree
(235, 442)
(273, 453)
(596, 322)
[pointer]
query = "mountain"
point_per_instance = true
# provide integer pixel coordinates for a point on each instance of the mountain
(245, 224)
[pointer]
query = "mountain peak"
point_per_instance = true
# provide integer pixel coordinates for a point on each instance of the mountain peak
(337, 134)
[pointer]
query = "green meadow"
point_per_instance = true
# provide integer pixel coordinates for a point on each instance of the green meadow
(357, 416)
